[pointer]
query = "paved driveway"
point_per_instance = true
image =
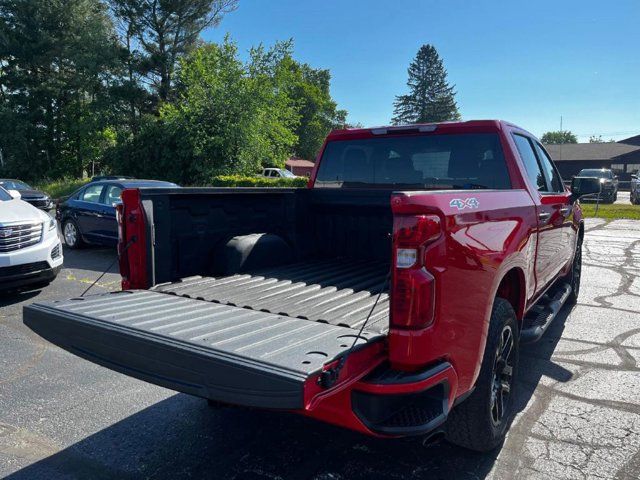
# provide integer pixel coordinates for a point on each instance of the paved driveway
(579, 396)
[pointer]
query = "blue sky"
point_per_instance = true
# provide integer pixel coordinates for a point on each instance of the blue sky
(526, 62)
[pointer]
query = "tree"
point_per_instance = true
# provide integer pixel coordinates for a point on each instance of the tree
(598, 139)
(318, 112)
(430, 97)
(228, 117)
(56, 65)
(165, 31)
(558, 137)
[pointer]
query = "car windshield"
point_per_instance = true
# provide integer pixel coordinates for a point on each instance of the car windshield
(14, 185)
(4, 195)
(460, 161)
(286, 173)
(595, 173)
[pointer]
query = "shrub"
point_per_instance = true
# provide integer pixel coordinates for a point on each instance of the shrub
(60, 188)
(244, 181)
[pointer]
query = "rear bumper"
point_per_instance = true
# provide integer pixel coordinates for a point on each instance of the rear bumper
(387, 403)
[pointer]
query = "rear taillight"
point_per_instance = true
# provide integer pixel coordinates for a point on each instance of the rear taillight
(123, 263)
(132, 236)
(413, 287)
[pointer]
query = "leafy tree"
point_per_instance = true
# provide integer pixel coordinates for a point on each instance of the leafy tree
(55, 69)
(318, 112)
(430, 97)
(598, 139)
(228, 117)
(165, 31)
(559, 137)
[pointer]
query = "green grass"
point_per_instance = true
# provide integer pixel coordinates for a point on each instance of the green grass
(611, 211)
(61, 187)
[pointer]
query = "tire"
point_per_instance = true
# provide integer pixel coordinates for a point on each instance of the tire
(71, 234)
(574, 276)
(478, 423)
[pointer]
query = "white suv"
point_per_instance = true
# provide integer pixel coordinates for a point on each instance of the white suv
(30, 248)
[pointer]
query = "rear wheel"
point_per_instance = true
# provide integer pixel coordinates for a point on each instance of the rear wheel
(480, 423)
(71, 234)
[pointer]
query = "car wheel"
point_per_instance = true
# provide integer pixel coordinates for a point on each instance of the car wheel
(481, 422)
(574, 276)
(71, 234)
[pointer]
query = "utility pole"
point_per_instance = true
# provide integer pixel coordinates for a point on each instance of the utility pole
(560, 148)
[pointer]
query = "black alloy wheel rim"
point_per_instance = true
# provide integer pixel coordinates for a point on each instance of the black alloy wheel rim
(502, 376)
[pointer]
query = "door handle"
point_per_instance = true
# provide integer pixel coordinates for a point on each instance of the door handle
(565, 210)
(544, 216)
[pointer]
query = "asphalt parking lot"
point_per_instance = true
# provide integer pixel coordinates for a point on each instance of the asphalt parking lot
(579, 402)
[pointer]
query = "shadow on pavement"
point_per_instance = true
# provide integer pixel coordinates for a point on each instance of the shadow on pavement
(183, 437)
(12, 297)
(91, 258)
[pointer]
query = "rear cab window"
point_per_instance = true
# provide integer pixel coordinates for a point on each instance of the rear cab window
(435, 161)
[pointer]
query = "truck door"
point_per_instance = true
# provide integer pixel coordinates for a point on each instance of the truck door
(550, 253)
(558, 200)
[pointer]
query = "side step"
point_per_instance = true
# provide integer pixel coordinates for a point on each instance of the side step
(543, 314)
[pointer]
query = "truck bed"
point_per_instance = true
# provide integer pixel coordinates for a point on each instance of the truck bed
(337, 292)
(223, 352)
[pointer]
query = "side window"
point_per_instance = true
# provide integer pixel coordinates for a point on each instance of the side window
(92, 194)
(113, 195)
(531, 165)
(550, 170)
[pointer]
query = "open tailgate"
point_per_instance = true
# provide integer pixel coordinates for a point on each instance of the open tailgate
(231, 354)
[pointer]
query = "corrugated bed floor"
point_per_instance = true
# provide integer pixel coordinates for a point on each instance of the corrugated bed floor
(338, 292)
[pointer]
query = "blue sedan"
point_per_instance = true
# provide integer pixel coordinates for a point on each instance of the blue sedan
(88, 216)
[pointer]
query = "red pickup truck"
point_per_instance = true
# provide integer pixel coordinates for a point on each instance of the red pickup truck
(389, 297)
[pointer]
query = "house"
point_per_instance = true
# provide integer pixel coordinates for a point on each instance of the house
(623, 157)
(299, 166)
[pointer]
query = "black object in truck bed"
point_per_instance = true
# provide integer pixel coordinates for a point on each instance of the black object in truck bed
(216, 351)
(339, 292)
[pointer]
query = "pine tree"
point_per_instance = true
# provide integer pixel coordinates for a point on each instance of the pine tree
(430, 97)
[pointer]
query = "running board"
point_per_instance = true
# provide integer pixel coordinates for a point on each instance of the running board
(543, 314)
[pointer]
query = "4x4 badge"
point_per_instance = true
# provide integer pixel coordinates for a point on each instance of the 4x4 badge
(461, 204)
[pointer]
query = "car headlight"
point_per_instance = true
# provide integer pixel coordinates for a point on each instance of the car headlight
(52, 224)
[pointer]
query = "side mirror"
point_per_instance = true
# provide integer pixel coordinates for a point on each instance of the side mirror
(15, 194)
(581, 186)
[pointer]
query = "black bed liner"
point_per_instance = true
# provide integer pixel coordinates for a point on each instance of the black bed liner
(339, 292)
(212, 350)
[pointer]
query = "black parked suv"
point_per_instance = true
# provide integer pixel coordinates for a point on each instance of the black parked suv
(608, 183)
(27, 193)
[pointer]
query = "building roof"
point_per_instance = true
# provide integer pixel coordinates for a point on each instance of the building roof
(589, 151)
(635, 140)
(299, 162)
